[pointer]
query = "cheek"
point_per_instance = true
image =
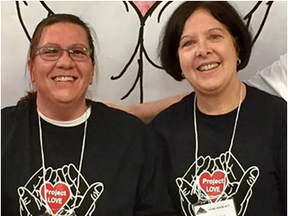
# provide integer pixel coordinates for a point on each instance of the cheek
(34, 73)
(181, 58)
(230, 51)
(41, 68)
(185, 60)
(87, 72)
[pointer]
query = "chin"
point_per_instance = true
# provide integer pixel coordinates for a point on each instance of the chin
(209, 88)
(64, 99)
(64, 102)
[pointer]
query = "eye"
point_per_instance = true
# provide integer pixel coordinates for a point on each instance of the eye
(79, 51)
(49, 51)
(188, 43)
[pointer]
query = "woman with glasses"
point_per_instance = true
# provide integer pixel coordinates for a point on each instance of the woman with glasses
(63, 154)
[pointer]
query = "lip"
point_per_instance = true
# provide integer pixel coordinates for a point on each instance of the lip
(64, 78)
(208, 66)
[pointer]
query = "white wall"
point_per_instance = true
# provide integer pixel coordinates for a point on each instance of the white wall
(117, 32)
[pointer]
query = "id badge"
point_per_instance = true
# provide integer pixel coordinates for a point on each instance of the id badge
(222, 208)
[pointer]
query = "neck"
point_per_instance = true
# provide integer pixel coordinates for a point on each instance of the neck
(61, 111)
(222, 102)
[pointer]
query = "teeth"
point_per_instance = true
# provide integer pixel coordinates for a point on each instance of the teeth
(64, 79)
(208, 67)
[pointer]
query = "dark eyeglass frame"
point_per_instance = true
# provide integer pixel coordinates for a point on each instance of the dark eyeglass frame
(71, 52)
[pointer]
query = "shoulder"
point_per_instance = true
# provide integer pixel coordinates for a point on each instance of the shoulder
(260, 98)
(122, 126)
(104, 114)
(17, 112)
(265, 104)
(175, 114)
(15, 120)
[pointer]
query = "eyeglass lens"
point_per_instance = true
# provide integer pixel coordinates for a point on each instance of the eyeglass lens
(54, 53)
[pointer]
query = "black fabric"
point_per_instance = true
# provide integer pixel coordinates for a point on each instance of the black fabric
(260, 148)
(121, 153)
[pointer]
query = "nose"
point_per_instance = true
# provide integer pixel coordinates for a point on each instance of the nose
(65, 61)
(203, 49)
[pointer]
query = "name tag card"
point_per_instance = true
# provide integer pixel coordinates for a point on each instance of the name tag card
(223, 208)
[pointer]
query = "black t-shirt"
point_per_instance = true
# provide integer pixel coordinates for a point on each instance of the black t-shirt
(255, 168)
(121, 173)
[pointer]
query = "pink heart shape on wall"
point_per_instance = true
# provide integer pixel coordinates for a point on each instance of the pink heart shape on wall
(144, 6)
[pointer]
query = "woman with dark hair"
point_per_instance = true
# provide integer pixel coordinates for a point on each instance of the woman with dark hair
(225, 145)
(63, 154)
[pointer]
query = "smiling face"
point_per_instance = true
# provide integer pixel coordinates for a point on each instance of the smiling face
(62, 81)
(207, 54)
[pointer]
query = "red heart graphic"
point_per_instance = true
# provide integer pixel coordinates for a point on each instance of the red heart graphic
(213, 185)
(56, 196)
(144, 6)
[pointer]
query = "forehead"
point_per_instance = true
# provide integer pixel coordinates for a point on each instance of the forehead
(202, 20)
(64, 34)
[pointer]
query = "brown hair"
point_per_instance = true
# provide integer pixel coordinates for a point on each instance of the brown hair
(50, 20)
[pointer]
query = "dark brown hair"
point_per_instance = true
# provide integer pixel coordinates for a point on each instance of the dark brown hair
(220, 10)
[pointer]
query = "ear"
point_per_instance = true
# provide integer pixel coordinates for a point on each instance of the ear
(31, 70)
(93, 68)
(93, 72)
(236, 44)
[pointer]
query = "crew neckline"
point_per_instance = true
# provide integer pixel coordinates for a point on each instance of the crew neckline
(70, 123)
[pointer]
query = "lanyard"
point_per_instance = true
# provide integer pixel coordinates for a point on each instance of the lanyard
(71, 211)
(197, 140)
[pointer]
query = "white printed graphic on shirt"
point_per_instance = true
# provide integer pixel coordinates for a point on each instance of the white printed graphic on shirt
(215, 180)
(62, 197)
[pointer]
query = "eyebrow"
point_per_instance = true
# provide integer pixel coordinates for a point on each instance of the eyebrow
(58, 45)
(50, 44)
(210, 30)
(217, 29)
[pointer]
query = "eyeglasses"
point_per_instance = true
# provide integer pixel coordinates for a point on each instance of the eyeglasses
(53, 53)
